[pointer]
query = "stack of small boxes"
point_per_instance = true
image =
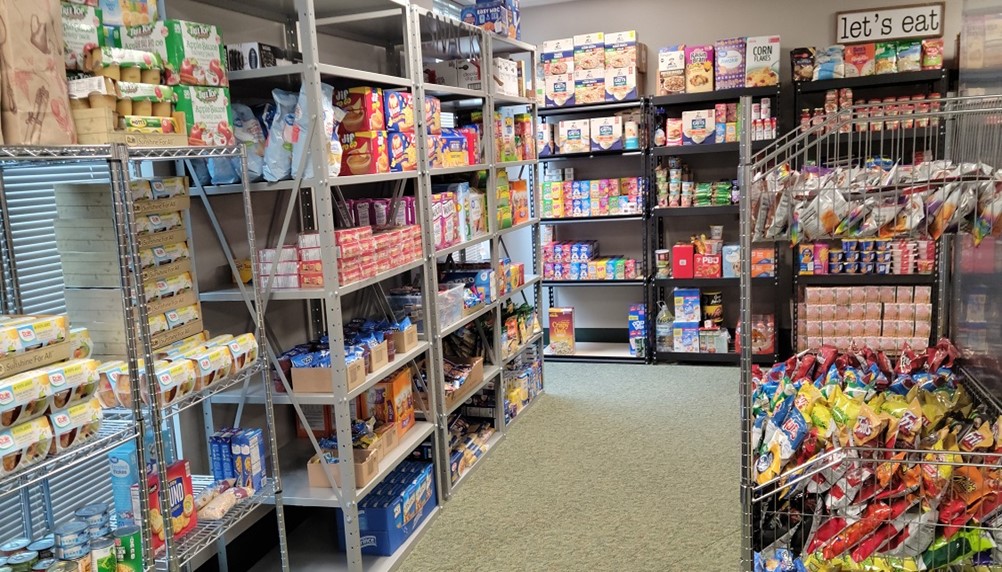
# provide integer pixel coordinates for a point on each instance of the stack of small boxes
(763, 262)
(593, 68)
(238, 454)
(694, 127)
(377, 132)
(868, 256)
(499, 16)
(580, 261)
(598, 197)
(879, 317)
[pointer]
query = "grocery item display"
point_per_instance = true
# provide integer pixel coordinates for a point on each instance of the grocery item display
(521, 382)
(715, 126)
(867, 256)
(593, 68)
(594, 198)
(883, 317)
(866, 59)
(676, 187)
(500, 17)
(901, 108)
(519, 325)
(726, 64)
(581, 261)
(468, 443)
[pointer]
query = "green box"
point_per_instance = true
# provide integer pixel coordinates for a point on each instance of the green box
(81, 32)
(193, 53)
(208, 116)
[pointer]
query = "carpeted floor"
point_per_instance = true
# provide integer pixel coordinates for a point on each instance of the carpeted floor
(617, 468)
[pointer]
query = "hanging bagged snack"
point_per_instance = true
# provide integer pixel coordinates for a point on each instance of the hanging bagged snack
(278, 149)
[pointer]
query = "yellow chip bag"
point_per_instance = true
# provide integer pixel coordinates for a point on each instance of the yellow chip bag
(933, 410)
(910, 424)
(844, 411)
(894, 405)
(868, 426)
(806, 398)
(821, 418)
(769, 464)
(980, 438)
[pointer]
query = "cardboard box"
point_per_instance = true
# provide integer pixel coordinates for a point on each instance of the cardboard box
(686, 337)
(399, 109)
(558, 57)
(363, 108)
(405, 340)
(560, 90)
(392, 402)
(182, 512)
(699, 69)
(379, 358)
(387, 520)
(364, 153)
(623, 50)
(468, 74)
(687, 305)
(589, 51)
(318, 379)
(207, 114)
(706, 266)
(255, 55)
(671, 70)
(472, 380)
(623, 84)
(730, 63)
(682, 261)
(441, 73)
(698, 127)
(247, 447)
(81, 30)
(589, 86)
(574, 136)
(561, 331)
(118, 13)
(366, 467)
(762, 55)
(506, 77)
(37, 112)
(193, 53)
(402, 151)
(606, 133)
(492, 17)
(388, 440)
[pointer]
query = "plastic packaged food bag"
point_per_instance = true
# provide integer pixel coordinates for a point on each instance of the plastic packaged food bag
(248, 132)
(302, 127)
(278, 149)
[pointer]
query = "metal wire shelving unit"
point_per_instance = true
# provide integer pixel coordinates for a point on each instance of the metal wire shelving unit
(786, 510)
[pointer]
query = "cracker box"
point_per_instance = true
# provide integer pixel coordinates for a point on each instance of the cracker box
(81, 31)
(762, 61)
(558, 57)
(698, 126)
(364, 153)
(363, 107)
(506, 77)
(575, 136)
(562, 331)
(622, 50)
(207, 115)
(622, 84)
(606, 133)
(402, 151)
(730, 59)
(398, 107)
(193, 53)
(687, 309)
(859, 60)
(589, 86)
(449, 149)
(181, 511)
(671, 70)
(698, 69)
(589, 51)
(559, 90)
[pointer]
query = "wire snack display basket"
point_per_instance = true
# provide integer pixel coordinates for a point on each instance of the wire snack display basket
(861, 452)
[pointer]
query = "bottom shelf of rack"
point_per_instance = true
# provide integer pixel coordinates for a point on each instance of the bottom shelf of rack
(312, 548)
(524, 410)
(728, 358)
(596, 352)
(493, 442)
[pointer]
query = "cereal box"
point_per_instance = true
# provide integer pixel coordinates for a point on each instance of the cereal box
(589, 86)
(193, 53)
(698, 126)
(402, 151)
(364, 153)
(730, 69)
(575, 136)
(589, 51)
(637, 325)
(81, 31)
(562, 331)
(698, 69)
(558, 57)
(207, 115)
(622, 84)
(398, 107)
(181, 511)
(622, 50)
(671, 70)
(606, 133)
(859, 60)
(363, 107)
(762, 61)
(559, 90)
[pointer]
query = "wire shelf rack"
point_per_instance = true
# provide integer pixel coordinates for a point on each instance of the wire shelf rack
(243, 375)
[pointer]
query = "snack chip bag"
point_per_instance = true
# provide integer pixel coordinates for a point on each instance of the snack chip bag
(910, 424)
(868, 426)
(278, 148)
(978, 438)
(806, 398)
(943, 551)
(821, 418)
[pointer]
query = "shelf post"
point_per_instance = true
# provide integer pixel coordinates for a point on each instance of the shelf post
(745, 175)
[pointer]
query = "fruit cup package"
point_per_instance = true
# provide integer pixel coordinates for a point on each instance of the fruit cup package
(72, 382)
(124, 64)
(193, 53)
(148, 124)
(210, 364)
(24, 397)
(82, 31)
(24, 445)
(144, 99)
(31, 332)
(75, 425)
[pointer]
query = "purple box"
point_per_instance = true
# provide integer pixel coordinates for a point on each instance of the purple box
(729, 73)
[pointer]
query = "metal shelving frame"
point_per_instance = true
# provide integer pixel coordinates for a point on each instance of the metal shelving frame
(603, 351)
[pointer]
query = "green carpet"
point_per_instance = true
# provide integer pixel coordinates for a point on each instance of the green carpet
(619, 467)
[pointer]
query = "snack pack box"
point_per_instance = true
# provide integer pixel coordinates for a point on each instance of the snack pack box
(730, 60)
(622, 84)
(181, 511)
(193, 53)
(561, 331)
(558, 57)
(762, 55)
(698, 69)
(392, 402)
(575, 136)
(399, 109)
(364, 153)
(589, 51)
(698, 126)
(606, 133)
(671, 70)
(589, 86)
(24, 445)
(402, 151)
(82, 31)
(687, 309)
(363, 107)
(859, 60)
(208, 117)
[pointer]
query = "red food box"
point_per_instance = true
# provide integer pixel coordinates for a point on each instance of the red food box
(363, 107)
(311, 267)
(311, 280)
(682, 260)
(399, 109)
(364, 153)
(706, 266)
(182, 512)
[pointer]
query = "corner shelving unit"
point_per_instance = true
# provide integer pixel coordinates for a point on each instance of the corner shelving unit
(604, 345)
(719, 158)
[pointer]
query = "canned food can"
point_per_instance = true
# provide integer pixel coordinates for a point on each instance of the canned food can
(129, 549)
(95, 515)
(71, 533)
(64, 566)
(14, 546)
(73, 552)
(22, 561)
(44, 565)
(43, 547)
(102, 556)
(98, 532)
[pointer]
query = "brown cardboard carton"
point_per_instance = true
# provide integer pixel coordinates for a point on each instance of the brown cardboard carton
(34, 99)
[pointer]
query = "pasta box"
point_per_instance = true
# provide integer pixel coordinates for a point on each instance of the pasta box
(730, 68)
(363, 107)
(402, 151)
(762, 61)
(207, 115)
(193, 53)
(364, 153)
(247, 447)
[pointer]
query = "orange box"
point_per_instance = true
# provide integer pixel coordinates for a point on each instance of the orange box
(763, 256)
(392, 401)
(364, 153)
(707, 266)
(363, 108)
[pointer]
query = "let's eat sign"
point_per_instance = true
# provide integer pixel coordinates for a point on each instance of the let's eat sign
(891, 23)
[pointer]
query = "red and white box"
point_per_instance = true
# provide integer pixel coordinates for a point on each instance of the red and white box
(283, 254)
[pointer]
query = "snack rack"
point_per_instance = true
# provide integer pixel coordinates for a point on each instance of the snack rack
(665, 221)
(598, 345)
(416, 35)
(784, 511)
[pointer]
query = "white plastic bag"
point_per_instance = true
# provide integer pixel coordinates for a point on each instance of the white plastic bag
(278, 149)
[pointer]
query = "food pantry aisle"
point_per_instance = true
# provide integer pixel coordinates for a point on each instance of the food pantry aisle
(619, 467)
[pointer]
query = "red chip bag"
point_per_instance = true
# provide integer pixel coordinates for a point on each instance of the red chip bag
(942, 355)
(828, 355)
(871, 544)
(805, 367)
(873, 517)
(906, 361)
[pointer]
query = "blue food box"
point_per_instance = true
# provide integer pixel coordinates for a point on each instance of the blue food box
(492, 17)
(222, 467)
(731, 261)
(637, 329)
(250, 444)
(686, 337)
(480, 282)
(687, 308)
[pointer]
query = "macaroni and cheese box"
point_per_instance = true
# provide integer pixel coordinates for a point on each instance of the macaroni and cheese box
(623, 84)
(762, 61)
(671, 70)
(698, 69)
(558, 57)
(561, 331)
(559, 90)
(730, 58)
(575, 136)
(589, 51)
(606, 133)
(589, 86)
(492, 16)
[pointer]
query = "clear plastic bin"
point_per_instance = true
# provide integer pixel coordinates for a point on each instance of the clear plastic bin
(450, 304)
(408, 306)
